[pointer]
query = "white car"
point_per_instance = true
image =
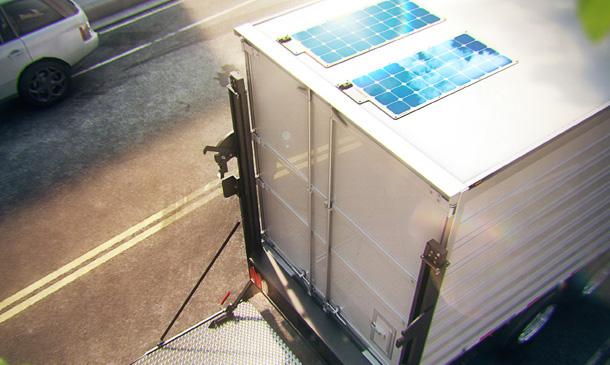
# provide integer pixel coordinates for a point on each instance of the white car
(40, 41)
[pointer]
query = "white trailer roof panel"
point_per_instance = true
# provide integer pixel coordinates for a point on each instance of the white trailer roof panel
(549, 78)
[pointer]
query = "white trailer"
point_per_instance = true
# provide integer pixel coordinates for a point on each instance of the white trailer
(426, 173)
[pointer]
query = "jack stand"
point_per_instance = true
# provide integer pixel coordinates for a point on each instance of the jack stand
(228, 313)
(222, 247)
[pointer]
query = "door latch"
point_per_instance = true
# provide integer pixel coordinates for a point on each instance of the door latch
(225, 150)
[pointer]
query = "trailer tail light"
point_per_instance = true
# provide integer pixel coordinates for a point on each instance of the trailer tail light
(85, 32)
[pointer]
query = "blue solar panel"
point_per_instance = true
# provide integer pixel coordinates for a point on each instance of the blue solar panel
(411, 83)
(350, 35)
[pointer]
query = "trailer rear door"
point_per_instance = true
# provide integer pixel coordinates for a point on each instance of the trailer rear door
(350, 219)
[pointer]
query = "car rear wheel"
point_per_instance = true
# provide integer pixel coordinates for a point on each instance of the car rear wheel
(45, 83)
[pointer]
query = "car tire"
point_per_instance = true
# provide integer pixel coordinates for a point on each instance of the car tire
(45, 83)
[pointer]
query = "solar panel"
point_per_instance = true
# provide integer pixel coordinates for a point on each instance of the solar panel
(416, 81)
(347, 36)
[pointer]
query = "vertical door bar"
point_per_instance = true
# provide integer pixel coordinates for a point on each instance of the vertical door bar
(429, 283)
(414, 337)
(329, 205)
(310, 190)
(245, 162)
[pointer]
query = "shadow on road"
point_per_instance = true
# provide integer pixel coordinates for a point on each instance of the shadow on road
(113, 109)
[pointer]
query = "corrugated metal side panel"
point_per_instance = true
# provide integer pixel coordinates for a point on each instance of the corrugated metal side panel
(521, 232)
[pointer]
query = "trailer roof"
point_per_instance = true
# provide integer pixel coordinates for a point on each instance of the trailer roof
(520, 73)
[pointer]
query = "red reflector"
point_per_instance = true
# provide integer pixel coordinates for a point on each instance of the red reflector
(256, 278)
(85, 32)
(259, 281)
(487, 335)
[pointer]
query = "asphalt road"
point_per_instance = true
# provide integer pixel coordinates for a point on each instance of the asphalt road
(109, 212)
(105, 197)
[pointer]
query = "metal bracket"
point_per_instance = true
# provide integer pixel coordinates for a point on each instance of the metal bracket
(328, 308)
(431, 274)
(227, 315)
(344, 86)
(225, 150)
(435, 256)
(413, 329)
(231, 186)
(284, 39)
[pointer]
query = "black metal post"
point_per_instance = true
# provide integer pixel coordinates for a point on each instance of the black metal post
(245, 156)
(431, 274)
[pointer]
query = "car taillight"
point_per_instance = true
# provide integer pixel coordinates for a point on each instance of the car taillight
(85, 32)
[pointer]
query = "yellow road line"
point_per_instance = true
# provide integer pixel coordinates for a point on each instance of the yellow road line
(109, 255)
(105, 246)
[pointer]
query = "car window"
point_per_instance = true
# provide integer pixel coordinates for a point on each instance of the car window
(30, 15)
(6, 33)
(64, 7)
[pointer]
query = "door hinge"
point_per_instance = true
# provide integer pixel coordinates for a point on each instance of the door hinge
(329, 308)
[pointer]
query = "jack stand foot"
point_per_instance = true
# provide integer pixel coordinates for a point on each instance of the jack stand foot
(228, 314)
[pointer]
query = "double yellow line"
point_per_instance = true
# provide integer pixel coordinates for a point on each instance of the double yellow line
(76, 269)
